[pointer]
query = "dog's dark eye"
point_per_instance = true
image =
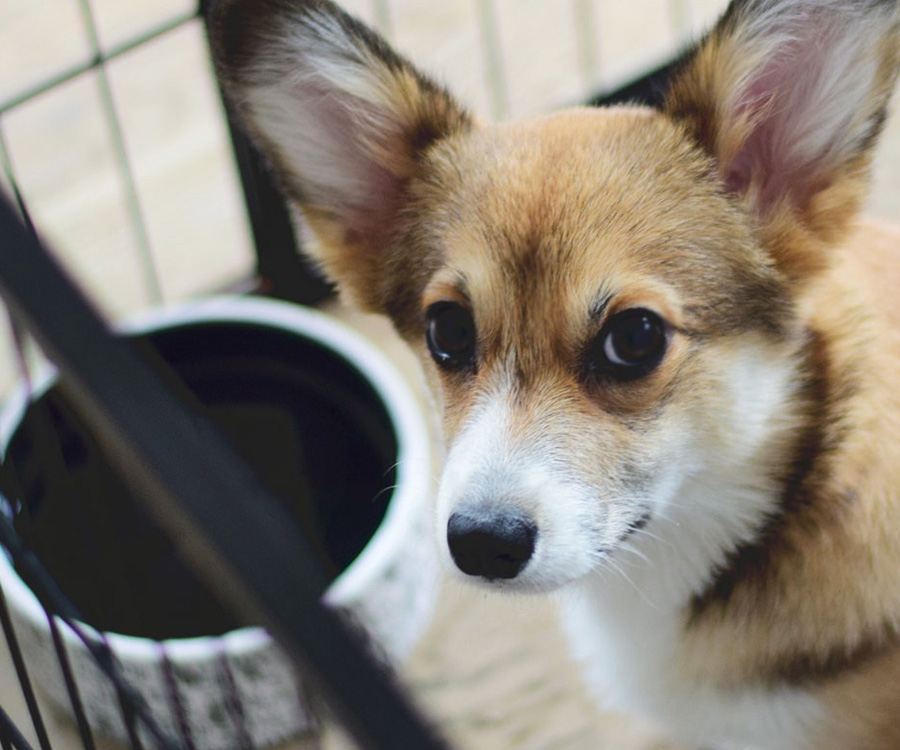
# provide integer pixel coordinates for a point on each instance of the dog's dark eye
(451, 335)
(629, 346)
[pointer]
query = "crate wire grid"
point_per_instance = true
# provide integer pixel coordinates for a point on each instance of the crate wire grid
(495, 93)
(60, 612)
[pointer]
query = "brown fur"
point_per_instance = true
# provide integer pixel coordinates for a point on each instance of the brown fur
(821, 601)
(544, 229)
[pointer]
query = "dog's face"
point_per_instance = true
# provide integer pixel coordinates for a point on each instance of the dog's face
(605, 301)
(599, 325)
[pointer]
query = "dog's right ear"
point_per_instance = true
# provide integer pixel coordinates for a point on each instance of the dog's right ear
(343, 119)
(788, 97)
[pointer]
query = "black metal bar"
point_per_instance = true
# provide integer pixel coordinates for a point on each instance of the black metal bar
(84, 729)
(233, 702)
(18, 334)
(176, 703)
(649, 89)
(6, 162)
(128, 707)
(200, 490)
(22, 672)
(10, 736)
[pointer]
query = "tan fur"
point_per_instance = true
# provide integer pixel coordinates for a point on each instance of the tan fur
(696, 98)
(832, 584)
(546, 229)
(832, 593)
(863, 708)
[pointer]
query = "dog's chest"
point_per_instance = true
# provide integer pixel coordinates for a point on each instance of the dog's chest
(628, 639)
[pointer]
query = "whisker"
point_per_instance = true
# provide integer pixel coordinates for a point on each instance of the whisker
(393, 467)
(613, 565)
(628, 547)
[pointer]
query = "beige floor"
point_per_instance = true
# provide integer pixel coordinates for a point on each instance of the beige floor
(494, 672)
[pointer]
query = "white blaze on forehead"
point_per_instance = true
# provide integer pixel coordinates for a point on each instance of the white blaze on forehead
(480, 453)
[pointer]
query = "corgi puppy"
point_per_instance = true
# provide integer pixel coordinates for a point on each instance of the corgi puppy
(666, 352)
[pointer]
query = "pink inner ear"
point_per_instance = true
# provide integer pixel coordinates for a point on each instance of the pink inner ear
(796, 102)
(755, 159)
(333, 156)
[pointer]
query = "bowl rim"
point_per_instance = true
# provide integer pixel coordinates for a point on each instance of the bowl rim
(413, 478)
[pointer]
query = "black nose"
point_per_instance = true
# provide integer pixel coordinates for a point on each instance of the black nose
(490, 545)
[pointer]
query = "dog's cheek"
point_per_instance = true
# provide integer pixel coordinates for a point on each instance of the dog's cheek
(743, 401)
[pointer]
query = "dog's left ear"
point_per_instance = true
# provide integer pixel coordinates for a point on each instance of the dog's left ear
(789, 96)
(343, 119)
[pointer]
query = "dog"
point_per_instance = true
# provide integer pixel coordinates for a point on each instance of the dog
(665, 350)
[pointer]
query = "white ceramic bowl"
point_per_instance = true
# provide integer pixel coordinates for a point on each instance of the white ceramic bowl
(219, 692)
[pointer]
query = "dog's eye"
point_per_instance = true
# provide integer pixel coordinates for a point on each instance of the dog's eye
(629, 346)
(451, 335)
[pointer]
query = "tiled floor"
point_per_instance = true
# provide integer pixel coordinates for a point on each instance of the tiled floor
(517, 688)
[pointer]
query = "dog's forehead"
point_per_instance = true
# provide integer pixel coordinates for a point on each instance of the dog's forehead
(594, 170)
(555, 214)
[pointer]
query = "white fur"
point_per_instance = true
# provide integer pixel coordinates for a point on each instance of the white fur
(623, 612)
(627, 643)
(708, 492)
(484, 465)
